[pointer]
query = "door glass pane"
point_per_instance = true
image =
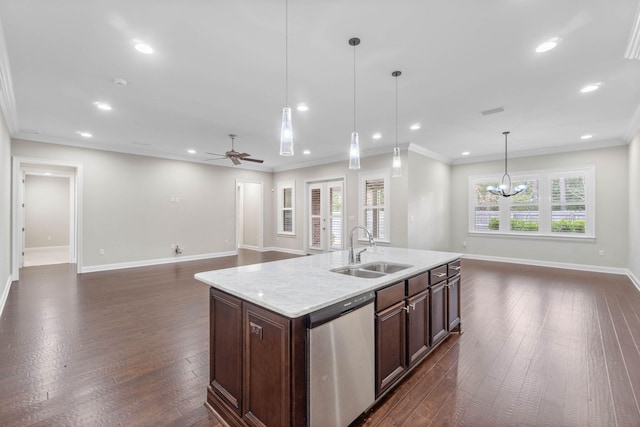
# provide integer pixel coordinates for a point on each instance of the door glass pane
(316, 202)
(315, 232)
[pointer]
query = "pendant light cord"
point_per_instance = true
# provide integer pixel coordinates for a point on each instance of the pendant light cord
(505, 152)
(354, 87)
(396, 111)
(286, 53)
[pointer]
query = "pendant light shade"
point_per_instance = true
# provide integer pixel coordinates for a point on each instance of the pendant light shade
(354, 150)
(504, 189)
(286, 133)
(286, 129)
(396, 165)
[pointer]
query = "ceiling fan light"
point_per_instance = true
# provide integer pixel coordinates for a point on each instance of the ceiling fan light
(286, 133)
(354, 152)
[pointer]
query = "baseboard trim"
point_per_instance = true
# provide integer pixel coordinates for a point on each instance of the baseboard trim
(5, 294)
(158, 261)
(539, 263)
(250, 247)
(285, 250)
(46, 248)
(634, 279)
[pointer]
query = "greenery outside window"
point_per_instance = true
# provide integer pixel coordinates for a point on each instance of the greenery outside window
(286, 208)
(557, 203)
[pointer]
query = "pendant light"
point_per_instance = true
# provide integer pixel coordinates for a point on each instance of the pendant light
(396, 166)
(504, 189)
(354, 151)
(286, 129)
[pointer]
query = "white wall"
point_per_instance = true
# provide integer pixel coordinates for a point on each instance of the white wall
(612, 210)
(47, 215)
(340, 169)
(429, 200)
(5, 211)
(634, 208)
(131, 209)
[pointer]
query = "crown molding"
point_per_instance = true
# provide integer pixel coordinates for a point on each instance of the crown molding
(428, 153)
(7, 98)
(633, 45)
(633, 127)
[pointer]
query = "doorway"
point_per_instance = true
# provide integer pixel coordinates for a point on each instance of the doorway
(50, 232)
(325, 215)
(249, 220)
(47, 218)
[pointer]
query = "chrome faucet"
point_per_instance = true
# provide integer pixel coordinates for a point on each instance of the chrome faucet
(356, 259)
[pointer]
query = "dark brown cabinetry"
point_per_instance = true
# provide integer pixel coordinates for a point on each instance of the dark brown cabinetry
(438, 306)
(257, 378)
(402, 329)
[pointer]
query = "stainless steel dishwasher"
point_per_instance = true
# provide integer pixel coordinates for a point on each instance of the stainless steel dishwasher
(341, 362)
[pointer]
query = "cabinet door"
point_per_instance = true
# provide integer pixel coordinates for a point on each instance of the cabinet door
(225, 342)
(390, 345)
(418, 327)
(266, 397)
(453, 302)
(438, 306)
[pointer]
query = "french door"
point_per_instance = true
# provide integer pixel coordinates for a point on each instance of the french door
(325, 201)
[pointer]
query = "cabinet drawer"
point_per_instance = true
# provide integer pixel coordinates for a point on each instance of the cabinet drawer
(437, 274)
(417, 284)
(388, 296)
(454, 268)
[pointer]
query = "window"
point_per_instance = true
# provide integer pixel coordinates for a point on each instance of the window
(286, 208)
(374, 205)
(555, 203)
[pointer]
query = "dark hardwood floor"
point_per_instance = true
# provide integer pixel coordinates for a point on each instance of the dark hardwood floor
(540, 346)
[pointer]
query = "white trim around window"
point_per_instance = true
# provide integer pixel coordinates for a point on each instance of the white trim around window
(286, 208)
(558, 203)
(374, 205)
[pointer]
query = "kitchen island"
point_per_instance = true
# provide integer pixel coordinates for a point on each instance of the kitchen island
(272, 323)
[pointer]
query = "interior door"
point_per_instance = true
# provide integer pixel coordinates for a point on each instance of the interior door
(326, 215)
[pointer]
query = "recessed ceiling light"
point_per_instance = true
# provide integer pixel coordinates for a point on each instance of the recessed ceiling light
(84, 134)
(377, 135)
(306, 152)
(120, 82)
(142, 47)
(302, 107)
(586, 136)
(102, 106)
(47, 173)
(191, 151)
(591, 87)
(466, 153)
(548, 45)
(415, 126)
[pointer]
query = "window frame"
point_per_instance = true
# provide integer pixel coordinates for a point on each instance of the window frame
(545, 203)
(282, 186)
(386, 206)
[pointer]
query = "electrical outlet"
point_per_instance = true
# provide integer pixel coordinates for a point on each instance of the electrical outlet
(101, 251)
(464, 244)
(601, 252)
(173, 246)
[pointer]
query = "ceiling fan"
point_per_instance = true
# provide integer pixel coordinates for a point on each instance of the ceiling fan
(234, 155)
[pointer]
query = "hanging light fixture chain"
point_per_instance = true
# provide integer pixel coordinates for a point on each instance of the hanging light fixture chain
(396, 74)
(505, 151)
(354, 87)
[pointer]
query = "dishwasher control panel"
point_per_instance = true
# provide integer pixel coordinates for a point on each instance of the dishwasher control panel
(341, 308)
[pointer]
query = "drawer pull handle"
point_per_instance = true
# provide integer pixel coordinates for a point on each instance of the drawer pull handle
(406, 309)
(455, 267)
(441, 274)
(256, 329)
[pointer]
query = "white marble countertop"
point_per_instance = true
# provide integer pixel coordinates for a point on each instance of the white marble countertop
(299, 286)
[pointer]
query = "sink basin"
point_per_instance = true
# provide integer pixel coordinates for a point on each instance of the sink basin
(372, 269)
(358, 272)
(385, 267)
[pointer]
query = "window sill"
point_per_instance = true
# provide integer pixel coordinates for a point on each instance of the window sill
(565, 237)
(285, 234)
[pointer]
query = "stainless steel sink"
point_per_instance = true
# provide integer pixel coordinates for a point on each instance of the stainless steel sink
(372, 270)
(358, 272)
(385, 267)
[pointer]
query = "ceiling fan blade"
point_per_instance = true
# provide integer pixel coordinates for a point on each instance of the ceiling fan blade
(243, 155)
(253, 160)
(215, 154)
(235, 160)
(217, 158)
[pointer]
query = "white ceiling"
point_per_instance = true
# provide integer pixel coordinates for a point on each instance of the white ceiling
(219, 68)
